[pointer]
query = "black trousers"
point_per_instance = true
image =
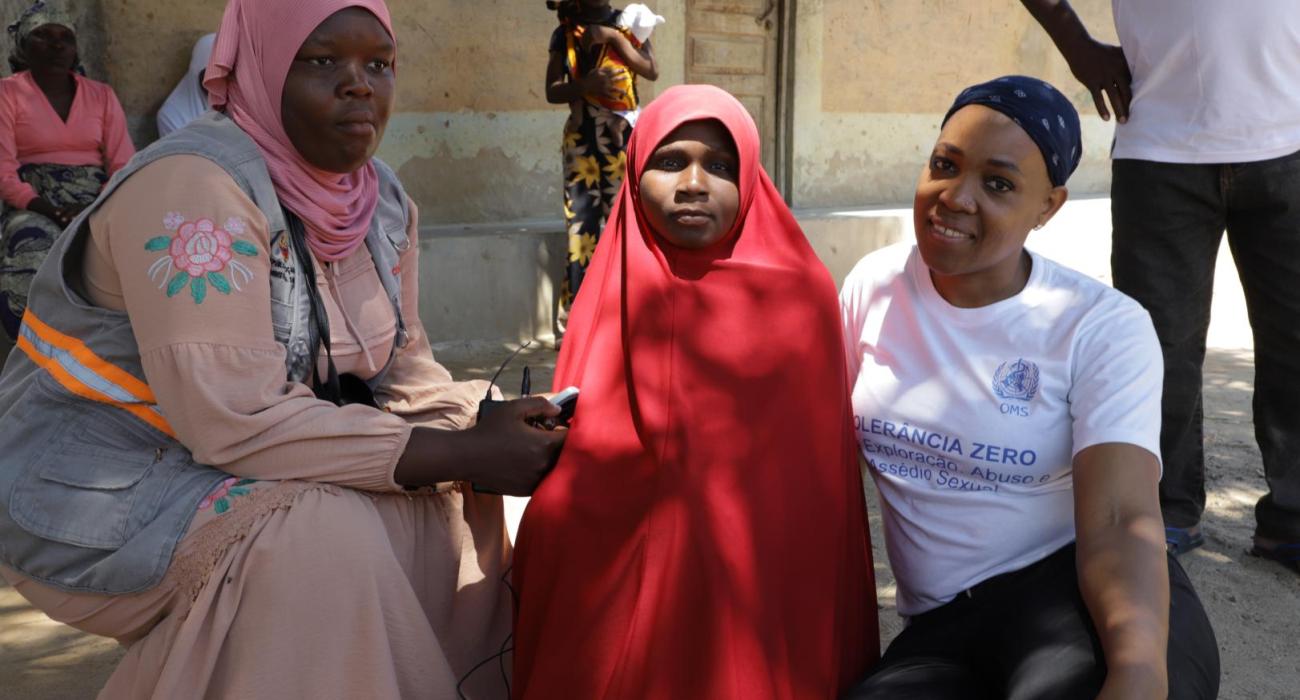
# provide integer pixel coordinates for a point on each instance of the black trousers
(1027, 635)
(1168, 221)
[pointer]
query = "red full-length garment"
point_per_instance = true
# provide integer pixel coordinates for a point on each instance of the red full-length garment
(704, 534)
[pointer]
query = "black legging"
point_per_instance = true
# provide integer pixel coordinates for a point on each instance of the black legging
(1027, 634)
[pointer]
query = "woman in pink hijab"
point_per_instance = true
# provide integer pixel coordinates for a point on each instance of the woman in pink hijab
(252, 471)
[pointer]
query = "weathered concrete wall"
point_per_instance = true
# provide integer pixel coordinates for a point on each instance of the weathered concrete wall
(488, 282)
(473, 137)
(478, 147)
(873, 79)
(475, 141)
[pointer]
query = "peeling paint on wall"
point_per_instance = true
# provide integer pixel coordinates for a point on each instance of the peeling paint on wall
(467, 167)
(908, 57)
(489, 186)
(873, 79)
(475, 141)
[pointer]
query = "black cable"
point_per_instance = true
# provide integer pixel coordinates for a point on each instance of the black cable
(500, 369)
(477, 666)
(505, 648)
(514, 598)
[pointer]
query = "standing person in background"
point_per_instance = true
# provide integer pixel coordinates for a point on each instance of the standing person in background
(189, 99)
(61, 136)
(602, 108)
(1208, 139)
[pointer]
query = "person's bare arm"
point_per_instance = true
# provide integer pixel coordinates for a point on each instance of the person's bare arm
(560, 90)
(1102, 68)
(1123, 575)
(641, 61)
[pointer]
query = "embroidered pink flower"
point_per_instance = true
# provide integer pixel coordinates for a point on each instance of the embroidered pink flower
(200, 255)
(218, 493)
(199, 247)
(173, 220)
(225, 492)
(235, 226)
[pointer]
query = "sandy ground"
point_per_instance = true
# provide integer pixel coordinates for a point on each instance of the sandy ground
(1253, 604)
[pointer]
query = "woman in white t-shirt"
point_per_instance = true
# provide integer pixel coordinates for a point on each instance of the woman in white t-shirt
(1009, 411)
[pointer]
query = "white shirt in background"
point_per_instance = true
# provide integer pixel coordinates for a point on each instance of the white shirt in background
(187, 100)
(1214, 81)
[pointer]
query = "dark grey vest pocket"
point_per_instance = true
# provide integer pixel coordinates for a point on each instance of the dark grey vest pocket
(87, 487)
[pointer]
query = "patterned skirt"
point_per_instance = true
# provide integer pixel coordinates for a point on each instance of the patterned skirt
(595, 141)
(26, 237)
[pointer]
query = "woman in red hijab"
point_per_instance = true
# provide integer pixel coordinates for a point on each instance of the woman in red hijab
(703, 533)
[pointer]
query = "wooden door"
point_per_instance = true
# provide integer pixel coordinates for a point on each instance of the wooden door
(733, 44)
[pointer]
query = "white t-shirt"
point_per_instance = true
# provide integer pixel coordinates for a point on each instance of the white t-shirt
(1214, 81)
(970, 418)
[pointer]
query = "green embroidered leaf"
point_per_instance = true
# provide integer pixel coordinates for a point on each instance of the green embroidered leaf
(218, 281)
(177, 283)
(245, 482)
(198, 290)
(244, 248)
(221, 506)
(238, 491)
(159, 243)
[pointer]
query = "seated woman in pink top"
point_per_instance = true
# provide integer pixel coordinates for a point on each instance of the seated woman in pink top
(61, 136)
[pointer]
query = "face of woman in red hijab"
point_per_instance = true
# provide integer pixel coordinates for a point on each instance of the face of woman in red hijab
(339, 91)
(689, 191)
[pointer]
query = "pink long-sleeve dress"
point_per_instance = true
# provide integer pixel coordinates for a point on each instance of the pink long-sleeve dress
(309, 573)
(63, 161)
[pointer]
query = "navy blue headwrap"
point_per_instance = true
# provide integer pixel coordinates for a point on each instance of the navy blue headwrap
(1042, 111)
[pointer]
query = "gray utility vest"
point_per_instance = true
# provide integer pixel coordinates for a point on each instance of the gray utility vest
(94, 490)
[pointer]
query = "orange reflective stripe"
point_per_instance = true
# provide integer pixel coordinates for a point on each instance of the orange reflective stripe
(87, 357)
(144, 411)
(75, 386)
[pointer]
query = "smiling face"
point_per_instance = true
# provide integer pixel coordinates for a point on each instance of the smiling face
(689, 190)
(339, 91)
(984, 188)
(50, 46)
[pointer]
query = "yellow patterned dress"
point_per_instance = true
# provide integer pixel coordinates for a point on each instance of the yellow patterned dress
(595, 139)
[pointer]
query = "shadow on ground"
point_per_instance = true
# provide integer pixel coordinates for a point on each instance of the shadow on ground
(1252, 603)
(42, 659)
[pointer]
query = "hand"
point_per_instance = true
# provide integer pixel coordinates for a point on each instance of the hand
(1102, 68)
(62, 216)
(511, 456)
(600, 83)
(65, 215)
(42, 206)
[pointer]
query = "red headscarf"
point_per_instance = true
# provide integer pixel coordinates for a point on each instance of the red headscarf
(704, 533)
(255, 48)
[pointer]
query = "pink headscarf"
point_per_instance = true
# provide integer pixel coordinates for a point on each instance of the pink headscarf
(255, 48)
